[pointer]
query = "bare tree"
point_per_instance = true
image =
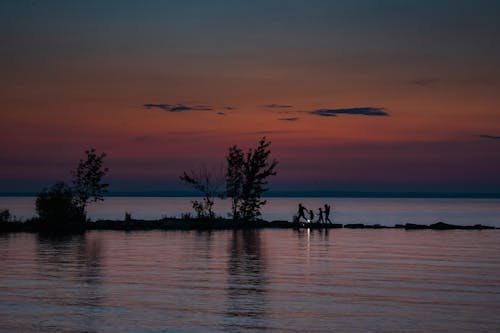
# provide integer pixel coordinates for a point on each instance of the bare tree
(209, 181)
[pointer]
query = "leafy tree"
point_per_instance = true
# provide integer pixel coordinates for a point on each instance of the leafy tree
(63, 203)
(246, 179)
(87, 179)
(56, 205)
(207, 181)
(234, 179)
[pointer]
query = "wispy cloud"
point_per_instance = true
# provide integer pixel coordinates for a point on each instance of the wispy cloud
(221, 113)
(177, 107)
(289, 119)
(491, 137)
(365, 111)
(277, 106)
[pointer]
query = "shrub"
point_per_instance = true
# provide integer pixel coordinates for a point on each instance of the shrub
(56, 205)
(62, 203)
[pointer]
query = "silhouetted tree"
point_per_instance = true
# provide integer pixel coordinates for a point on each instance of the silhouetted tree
(66, 204)
(5, 215)
(56, 205)
(87, 179)
(246, 178)
(234, 179)
(209, 182)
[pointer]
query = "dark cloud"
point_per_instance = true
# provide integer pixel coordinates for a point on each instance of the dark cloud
(229, 108)
(366, 111)
(221, 113)
(157, 106)
(180, 108)
(177, 107)
(202, 107)
(289, 119)
(277, 106)
(491, 137)
(424, 82)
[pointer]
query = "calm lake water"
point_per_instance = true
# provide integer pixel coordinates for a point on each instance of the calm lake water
(384, 211)
(251, 281)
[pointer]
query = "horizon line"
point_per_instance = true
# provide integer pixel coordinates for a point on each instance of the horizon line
(298, 194)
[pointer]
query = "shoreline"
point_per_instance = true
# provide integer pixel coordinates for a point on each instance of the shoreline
(297, 194)
(35, 226)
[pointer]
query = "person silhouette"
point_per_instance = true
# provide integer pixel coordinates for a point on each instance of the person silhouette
(311, 215)
(301, 212)
(320, 219)
(327, 213)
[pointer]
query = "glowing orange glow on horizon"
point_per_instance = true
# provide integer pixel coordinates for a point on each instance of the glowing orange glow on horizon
(64, 92)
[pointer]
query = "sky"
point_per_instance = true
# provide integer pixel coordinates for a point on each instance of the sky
(354, 95)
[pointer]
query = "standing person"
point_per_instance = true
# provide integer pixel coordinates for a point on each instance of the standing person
(311, 215)
(301, 213)
(320, 219)
(327, 213)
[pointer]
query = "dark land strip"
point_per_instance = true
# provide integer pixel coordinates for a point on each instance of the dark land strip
(214, 224)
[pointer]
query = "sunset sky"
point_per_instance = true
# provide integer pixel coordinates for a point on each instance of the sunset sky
(354, 95)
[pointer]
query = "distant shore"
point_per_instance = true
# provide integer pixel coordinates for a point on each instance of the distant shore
(215, 224)
(300, 194)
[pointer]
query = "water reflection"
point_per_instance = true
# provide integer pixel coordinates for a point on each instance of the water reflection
(246, 302)
(204, 243)
(66, 255)
(361, 280)
(306, 235)
(70, 268)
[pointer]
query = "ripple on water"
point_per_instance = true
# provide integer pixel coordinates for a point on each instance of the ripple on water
(277, 280)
